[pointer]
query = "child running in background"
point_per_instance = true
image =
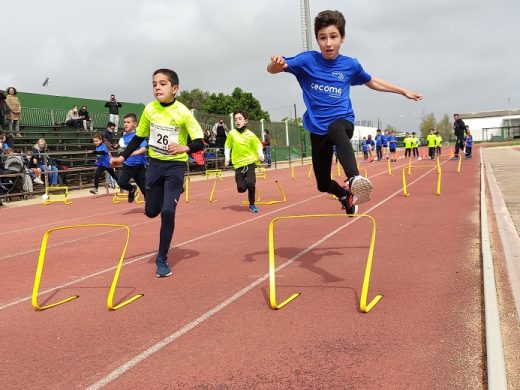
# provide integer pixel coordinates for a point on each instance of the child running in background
(364, 148)
(135, 166)
(431, 140)
(415, 145)
(371, 146)
(246, 150)
(325, 78)
(438, 144)
(468, 140)
(167, 123)
(407, 145)
(392, 145)
(102, 161)
(379, 145)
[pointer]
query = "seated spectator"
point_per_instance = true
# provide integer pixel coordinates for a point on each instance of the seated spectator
(32, 165)
(38, 151)
(86, 119)
(108, 136)
(73, 119)
(209, 138)
(4, 144)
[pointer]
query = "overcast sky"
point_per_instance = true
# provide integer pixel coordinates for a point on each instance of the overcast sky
(461, 54)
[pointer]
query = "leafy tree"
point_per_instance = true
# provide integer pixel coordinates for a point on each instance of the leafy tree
(444, 127)
(218, 103)
(194, 99)
(239, 99)
(428, 122)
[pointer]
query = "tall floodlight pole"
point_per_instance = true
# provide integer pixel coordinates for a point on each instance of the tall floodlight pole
(306, 25)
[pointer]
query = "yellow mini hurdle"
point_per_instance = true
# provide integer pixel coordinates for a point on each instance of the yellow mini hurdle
(41, 260)
(56, 194)
(122, 196)
(269, 202)
(363, 306)
(216, 172)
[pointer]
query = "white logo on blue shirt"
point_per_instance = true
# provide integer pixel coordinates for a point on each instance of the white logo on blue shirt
(331, 90)
(338, 75)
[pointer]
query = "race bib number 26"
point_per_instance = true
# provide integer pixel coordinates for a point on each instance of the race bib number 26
(161, 136)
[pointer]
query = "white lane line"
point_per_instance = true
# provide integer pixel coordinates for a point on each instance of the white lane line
(228, 301)
(496, 369)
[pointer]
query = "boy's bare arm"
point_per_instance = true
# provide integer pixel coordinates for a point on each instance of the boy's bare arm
(384, 86)
(276, 65)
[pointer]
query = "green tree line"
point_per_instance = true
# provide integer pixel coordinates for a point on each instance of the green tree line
(222, 104)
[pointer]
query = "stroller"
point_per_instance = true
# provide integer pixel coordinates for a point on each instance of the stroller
(17, 181)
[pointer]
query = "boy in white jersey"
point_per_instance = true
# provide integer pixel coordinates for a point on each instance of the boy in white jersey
(325, 79)
(245, 149)
(167, 123)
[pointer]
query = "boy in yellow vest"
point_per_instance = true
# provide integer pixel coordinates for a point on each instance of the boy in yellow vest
(246, 151)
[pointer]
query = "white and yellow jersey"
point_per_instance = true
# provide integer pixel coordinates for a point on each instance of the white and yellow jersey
(165, 125)
(245, 147)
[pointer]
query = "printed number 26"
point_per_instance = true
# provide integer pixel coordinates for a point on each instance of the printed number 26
(162, 139)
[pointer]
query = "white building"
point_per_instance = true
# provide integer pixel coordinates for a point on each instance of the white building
(485, 126)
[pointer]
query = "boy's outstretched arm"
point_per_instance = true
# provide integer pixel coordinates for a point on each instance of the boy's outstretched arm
(276, 65)
(385, 86)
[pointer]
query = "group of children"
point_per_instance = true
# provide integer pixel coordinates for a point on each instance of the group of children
(173, 132)
(386, 144)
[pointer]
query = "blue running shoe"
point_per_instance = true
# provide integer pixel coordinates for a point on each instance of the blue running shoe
(253, 208)
(163, 269)
(131, 194)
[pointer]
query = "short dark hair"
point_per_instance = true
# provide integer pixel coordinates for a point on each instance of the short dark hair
(110, 124)
(241, 112)
(130, 115)
(172, 76)
(329, 18)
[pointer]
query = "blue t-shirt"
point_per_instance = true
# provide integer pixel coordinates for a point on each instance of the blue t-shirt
(469, 141)
(326, 87)
(103, 159)
(384, 139)
(371, 143)
(364, 146)
(139, 159)
(379, 140)
(392, 142)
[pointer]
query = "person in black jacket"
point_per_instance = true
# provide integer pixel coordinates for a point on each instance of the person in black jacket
(113, 110)
(459, 129)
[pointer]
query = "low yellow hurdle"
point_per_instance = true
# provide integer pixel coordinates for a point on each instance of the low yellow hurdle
(363, 306)
(41, 260)
(268, 202)
(63, 196)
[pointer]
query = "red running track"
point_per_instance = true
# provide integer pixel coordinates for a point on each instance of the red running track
(210, 324)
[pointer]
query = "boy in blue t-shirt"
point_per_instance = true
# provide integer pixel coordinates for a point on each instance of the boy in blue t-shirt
(468, 141)
(325, 78)
(364, 148)
(379, 145)
(392, 146)
(135, 166)
(102, 160)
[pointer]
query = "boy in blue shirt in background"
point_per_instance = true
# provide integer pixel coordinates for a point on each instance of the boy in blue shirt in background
(135, 166)
(379, 145)
(392, 146)
(102, 161)
(325, 78)
(468, 140)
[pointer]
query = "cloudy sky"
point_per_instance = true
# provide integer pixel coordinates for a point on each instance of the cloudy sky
(462, 55)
